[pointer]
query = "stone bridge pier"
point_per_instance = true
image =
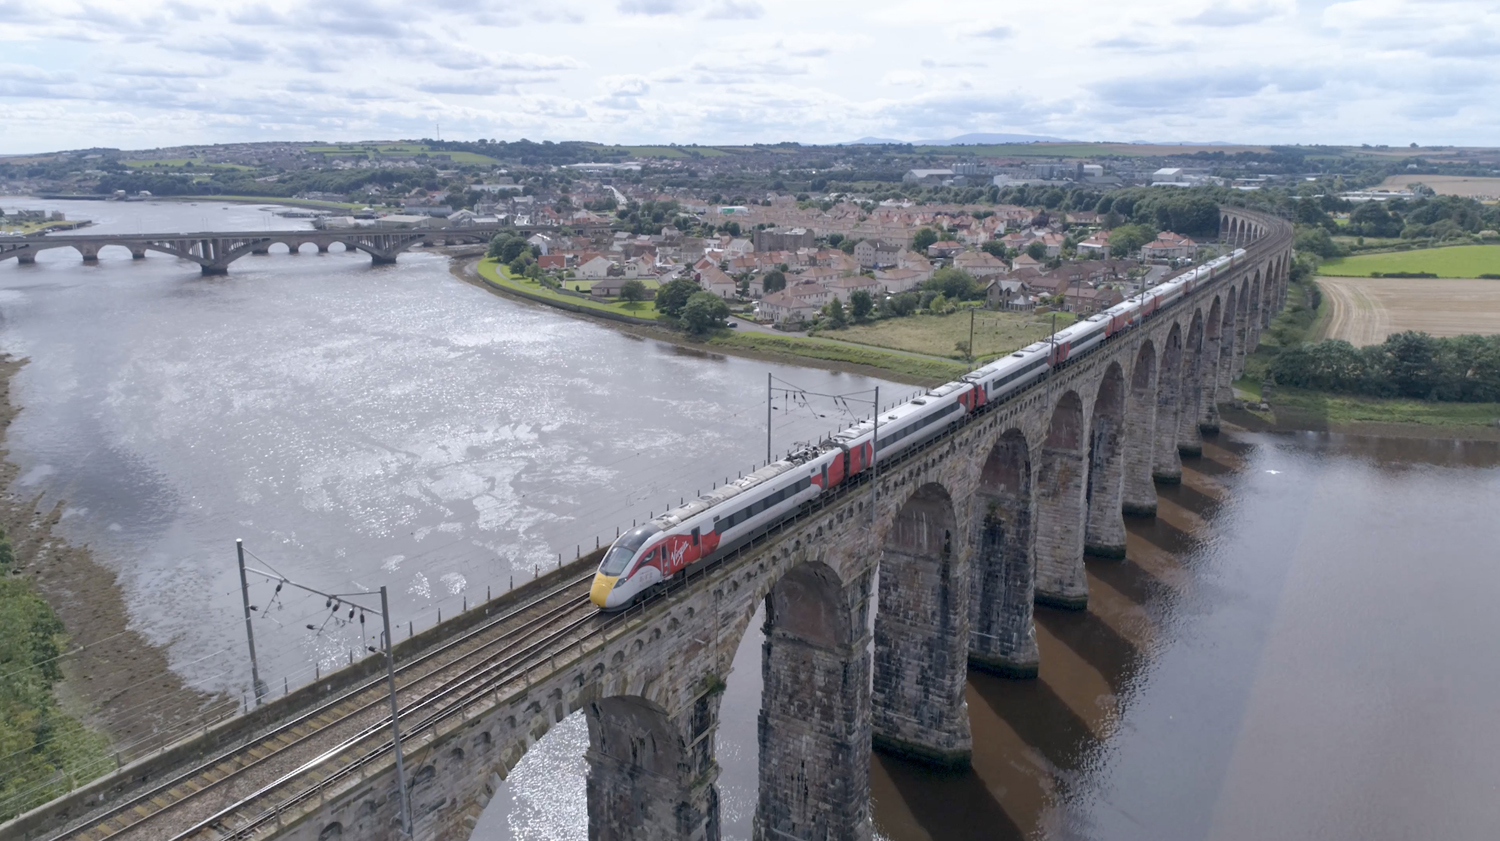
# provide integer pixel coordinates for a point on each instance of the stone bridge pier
(876, 603)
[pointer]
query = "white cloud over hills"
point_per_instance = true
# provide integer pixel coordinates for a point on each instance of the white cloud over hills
(142, 74)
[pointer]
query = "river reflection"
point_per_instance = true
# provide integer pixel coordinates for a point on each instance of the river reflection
(1297, 646)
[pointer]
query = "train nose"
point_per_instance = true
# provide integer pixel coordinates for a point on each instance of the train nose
(603, 584)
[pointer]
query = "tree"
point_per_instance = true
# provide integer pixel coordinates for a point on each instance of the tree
(860, 304)
(923, 238)
(1316, 241)
(847, 246)
(1125, 240)
(774, 281)
(995, 248)
(1037, 250)
(954, 284)
(835, 239)
(834, 311)
(938, 305)
(703, 312)
(632, 292)
(672, 297)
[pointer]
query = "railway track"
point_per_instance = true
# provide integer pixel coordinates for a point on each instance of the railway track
(338, 726)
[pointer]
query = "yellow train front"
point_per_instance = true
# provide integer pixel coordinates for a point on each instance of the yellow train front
(620, 579)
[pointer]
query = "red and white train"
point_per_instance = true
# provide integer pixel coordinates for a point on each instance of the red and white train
(729, 517)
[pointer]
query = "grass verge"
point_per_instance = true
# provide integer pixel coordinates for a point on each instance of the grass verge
(495, 273)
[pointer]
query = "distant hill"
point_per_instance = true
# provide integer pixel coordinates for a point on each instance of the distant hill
(977, 139)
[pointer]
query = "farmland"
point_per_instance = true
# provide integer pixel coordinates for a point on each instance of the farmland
(1363, 311)
(1454, 261)
(1448, 185)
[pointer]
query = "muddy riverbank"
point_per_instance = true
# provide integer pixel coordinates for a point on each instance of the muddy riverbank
(114, 679)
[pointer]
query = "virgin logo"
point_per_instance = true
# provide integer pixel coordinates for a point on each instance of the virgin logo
(678, 552)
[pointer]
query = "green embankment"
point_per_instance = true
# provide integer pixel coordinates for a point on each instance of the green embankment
(1451, 261)
(498, 275)
(1303, 409)
(43, 751)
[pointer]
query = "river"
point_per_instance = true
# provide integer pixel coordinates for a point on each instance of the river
(1298, 646)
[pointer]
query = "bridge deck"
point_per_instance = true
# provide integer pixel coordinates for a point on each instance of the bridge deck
(243, 789)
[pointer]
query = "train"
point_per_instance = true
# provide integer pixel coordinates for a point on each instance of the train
(696, 533)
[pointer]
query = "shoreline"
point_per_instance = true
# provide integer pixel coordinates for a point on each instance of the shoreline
(1293, 421)
(115, 681)
(465, 268)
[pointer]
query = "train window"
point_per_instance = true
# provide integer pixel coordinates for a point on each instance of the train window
(619, 555)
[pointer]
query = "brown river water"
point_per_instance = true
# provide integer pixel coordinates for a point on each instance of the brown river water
(1299, 646)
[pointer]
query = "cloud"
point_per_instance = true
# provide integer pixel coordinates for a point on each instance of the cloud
(903, 78)
(735, 10)
(1222, 15)
(223, 47)
(205, 71)
(653, 8)
(994, 33)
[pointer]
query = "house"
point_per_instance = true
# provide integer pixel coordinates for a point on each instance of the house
(713, 279)
(876, 253)
(784, 239)
(552, 261)
(782, 307)
(1009, 295)
(610, 288)
(1169, 246)
(821, 274)
(1025, 261)
(1054, 243)
(1086, 300)
(901, 280)
(739, 246)
(542, 242)
(844, 287)
(980, 264)
(944, 249)
(810, 292)
(596, 268)
(640, 267)
(1096, 246)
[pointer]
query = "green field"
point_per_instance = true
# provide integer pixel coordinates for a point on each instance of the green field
(398, 150)
(180, 163)
(1453, 261)
(578, 284)
(919, 369)
(499, 275)
(995, 333)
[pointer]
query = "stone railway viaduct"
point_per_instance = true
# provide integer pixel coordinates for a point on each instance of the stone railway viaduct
(874, 610)
(213, 252)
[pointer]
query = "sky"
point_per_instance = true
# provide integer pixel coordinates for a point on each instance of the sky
(137, 74)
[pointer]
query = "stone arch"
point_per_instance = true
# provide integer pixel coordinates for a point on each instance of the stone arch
(1228, 346)
(332, 832)
(815, 706)
(644, 772)
(1104, 535)
(1138, 496)
(1189, 440)
(1208, 403)
(1252, 323)
(1002, 638)
(1166, 464)
(1061, 474)
(922, 634)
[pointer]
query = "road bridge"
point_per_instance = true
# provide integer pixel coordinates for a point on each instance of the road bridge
(878, 599)
(213, 252)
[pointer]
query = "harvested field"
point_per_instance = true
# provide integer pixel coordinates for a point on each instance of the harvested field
(1448, 185)
(1363, 311)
